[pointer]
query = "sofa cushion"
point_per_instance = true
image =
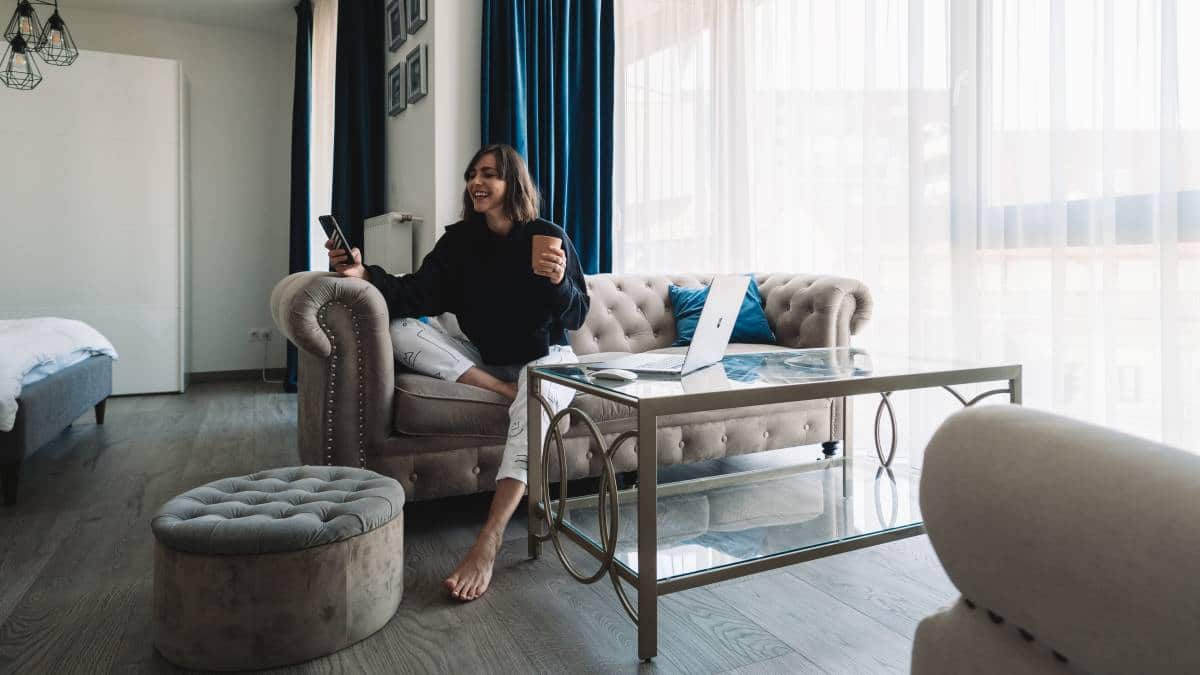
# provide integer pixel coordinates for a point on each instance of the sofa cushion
(430, 406)
(750, 326)
(427, 405)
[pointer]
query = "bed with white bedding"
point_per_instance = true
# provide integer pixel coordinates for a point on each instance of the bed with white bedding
(51, 371)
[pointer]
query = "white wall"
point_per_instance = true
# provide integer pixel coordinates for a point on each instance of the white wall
(429, 144)
(458, 40)
(239, 112)
(98, 237)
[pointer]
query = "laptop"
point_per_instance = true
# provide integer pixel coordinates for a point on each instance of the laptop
(713, 331)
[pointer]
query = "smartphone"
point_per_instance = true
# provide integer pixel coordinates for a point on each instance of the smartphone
(330, 225)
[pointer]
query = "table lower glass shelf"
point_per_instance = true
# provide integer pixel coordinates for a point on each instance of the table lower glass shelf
(779, 505)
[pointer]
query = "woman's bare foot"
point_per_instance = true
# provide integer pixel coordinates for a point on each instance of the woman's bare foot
(472, 576)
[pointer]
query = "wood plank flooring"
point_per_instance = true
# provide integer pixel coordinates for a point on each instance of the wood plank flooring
(76, 570)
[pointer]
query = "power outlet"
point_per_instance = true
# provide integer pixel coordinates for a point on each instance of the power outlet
(260, 334)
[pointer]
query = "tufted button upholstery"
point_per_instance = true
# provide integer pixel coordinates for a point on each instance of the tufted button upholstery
(278, 511)
(632, 313)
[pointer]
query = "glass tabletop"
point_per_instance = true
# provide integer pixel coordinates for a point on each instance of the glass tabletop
(708, 524)
(764, 369)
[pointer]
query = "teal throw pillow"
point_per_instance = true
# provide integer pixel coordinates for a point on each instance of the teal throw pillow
(751, 326)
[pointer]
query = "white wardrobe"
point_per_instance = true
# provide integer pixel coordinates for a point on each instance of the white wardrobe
(93, 209)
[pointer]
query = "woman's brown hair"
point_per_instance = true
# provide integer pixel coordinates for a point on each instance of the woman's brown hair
(521, 199)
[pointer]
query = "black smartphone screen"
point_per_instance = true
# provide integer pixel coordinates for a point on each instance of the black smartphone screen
(334, 232)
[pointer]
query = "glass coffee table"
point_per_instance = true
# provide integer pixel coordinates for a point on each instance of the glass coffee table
(752, 513)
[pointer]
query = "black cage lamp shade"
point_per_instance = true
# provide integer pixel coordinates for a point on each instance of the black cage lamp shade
(28, 38)
(25, 25)
(18, 70)
(58, 47)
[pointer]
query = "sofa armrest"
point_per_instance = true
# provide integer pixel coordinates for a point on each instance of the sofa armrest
(815, 311)
(346, 370)
(1082, 536)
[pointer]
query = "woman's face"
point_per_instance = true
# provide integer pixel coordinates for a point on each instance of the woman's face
(485, 185)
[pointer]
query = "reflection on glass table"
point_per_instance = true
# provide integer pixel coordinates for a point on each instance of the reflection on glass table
(759, 370)
(723, 520)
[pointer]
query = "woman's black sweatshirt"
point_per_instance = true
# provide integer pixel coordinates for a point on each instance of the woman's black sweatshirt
(509, 313)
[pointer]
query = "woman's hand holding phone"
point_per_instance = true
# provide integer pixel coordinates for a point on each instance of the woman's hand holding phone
(346, 263)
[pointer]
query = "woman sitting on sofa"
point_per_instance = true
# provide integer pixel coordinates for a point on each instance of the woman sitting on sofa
(515, 295)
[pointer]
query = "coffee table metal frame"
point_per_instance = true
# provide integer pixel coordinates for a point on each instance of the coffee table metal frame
(546, 524)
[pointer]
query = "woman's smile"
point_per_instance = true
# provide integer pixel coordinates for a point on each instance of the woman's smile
(486, 188)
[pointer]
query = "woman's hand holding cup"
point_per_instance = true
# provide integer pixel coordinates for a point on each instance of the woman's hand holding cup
(549, 259)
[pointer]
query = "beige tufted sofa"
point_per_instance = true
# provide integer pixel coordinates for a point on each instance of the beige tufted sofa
(443, 438)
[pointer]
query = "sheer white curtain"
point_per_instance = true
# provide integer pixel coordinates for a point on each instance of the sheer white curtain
(320, 173)
(1090, 207)
(1014, 179)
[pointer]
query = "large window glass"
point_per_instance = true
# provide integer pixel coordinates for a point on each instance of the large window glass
(1013, 179)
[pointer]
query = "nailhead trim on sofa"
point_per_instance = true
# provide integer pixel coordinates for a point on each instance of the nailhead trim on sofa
(332, 374)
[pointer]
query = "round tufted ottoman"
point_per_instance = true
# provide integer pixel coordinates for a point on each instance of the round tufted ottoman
(276, 567)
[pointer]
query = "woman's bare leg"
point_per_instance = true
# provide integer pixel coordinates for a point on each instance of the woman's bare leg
(470, 579)
(472, 576)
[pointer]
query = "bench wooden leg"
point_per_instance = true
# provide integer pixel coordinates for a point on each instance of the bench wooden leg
(8, 481)
(100, 411)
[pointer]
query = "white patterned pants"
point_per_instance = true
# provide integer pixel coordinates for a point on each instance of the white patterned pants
(431, 351)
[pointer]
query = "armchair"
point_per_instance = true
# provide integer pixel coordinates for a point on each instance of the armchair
(1073, 547)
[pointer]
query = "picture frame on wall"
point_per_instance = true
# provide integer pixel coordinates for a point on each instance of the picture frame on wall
(416, 12)
(397, 94)
(396, 24)
(416, 68)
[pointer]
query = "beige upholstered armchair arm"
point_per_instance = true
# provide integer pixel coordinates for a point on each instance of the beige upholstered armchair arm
(815, 311)
(346, 380)
(1082, 537)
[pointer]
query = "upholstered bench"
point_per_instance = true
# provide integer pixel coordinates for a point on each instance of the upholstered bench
(276, 567)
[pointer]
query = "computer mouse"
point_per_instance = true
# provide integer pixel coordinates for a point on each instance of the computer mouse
(616, 374)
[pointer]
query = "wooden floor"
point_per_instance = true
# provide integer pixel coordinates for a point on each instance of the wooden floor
(76, 580)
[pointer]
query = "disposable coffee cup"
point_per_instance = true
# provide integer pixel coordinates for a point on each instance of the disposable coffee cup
(543, 243)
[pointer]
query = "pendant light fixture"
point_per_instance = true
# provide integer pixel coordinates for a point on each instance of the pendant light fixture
(58, 47)
(24, 24)
(18, 70)
(26, 37)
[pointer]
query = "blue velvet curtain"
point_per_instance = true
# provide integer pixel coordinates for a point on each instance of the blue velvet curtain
(547, 70)
(301, 218)
(359, 114)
